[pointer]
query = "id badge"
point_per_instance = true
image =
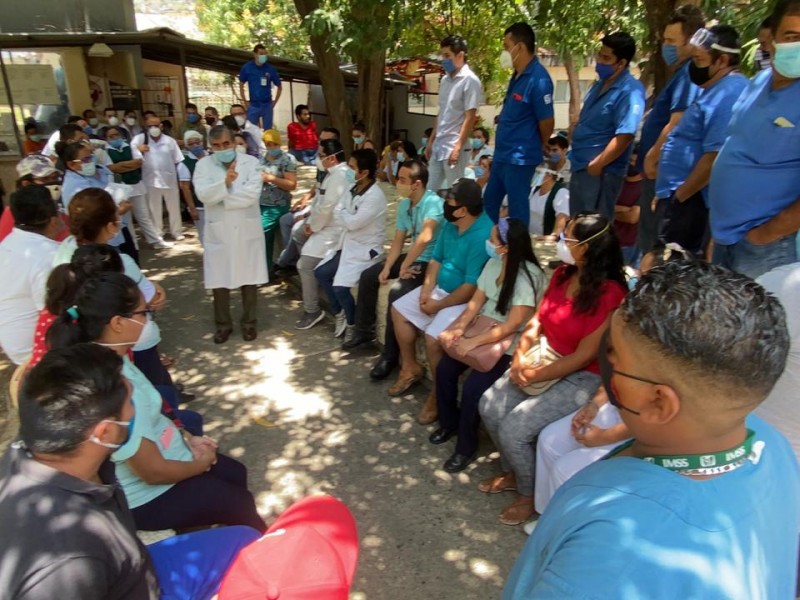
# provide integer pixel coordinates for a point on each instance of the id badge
(166, 437)
(263, 82)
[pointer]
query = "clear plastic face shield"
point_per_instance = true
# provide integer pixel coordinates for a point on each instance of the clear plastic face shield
(707, 39)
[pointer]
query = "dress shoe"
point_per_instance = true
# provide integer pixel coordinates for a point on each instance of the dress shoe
(358, 339)
(222, 336)
(429, 412)
(185, 397)
(404, 382)
(249, 334)
(382, 369)
(441, 435)
(457, 462)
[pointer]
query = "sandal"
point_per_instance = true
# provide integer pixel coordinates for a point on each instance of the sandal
(404, 382)
(505, 482)
(519, 512)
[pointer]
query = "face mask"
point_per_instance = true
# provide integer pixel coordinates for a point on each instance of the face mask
(699, 75)
(448, 65)
(506, 60)
(607, 372)
(197, 151)
(555, 157)
(538, 177)
(669, 52)
(491, 250)
(479, 172)
(477, 144)
(449, 212)
(423, 142)
(319, 165)
(93, 121)
(88, 169)
(117, 143)
(240, 120)
(563, 252)
(131, 121)
(154, 131)
(358, 139)
(241, 149)
(193, 117)
(35, 137)
(88, 130)
(604, 71)
(225, 157)
(400, 157)
(350, 175)
(55, 191)
(128, 424)
(275, 152)
(145, 335)
(787, 59)
(211, 120)
(403, 190)
(261, 59)
(113, 121)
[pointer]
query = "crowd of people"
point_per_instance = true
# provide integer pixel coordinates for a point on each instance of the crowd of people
(618, 390)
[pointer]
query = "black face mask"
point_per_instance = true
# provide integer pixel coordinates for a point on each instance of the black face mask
(699, 75)
(211, 120)
(448, 212)
(607, 372)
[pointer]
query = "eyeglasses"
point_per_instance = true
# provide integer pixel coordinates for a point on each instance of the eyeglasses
(147, 312)
(85, 160)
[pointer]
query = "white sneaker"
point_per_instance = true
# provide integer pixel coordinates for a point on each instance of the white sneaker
(180, 238)
(162, 245)
(349, 333)
(340, 325)
(530, 526)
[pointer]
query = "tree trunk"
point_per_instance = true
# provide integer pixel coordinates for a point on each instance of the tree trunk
(575, 99)
(371, 94)
(330, 75)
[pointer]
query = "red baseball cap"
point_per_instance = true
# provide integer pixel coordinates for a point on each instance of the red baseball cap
(309, 552)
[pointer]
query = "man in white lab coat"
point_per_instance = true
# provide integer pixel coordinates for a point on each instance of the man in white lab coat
(229, 186)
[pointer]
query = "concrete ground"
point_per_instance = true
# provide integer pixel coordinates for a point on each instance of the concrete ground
(305, 418)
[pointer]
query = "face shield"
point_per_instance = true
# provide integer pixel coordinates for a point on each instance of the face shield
(707, 39)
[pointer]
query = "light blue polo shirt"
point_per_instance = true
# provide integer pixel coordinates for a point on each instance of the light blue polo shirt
(757, 172)
(412, 218)
(604, 116)
(676, 96)
(462, 256)
(627, 529)
(701, 129)
(529, 99)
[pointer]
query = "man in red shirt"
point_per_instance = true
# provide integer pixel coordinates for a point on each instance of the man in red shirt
(303, 140)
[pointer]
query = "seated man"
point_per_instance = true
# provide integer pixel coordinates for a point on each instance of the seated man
(26, 259)
(302, 134)
(703, 502)
(67, 528)
(450, 280)
(418, 216)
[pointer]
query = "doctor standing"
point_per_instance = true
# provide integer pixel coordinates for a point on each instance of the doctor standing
(229, 185)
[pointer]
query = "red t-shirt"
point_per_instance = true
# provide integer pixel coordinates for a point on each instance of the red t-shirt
(302, 138)
(629, 196)
(563, 327)
(40, 337)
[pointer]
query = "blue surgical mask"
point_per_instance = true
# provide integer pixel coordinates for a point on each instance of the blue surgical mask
(262, 59)
(787, 59)
(117, 143)
(226, 157)
(555, 157)
(358, 139)
(88, 130)
(423, 142)
(275, 152)
(479, 172)
(193, 117)
(669, 53)
(448, 65)
(477, 144)
(400, 157)
(491, 250)
(88, 169)
(197, 151)
(350, 175)
(604, 71)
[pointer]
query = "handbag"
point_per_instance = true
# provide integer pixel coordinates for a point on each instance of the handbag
(484, 357)
(541, 354)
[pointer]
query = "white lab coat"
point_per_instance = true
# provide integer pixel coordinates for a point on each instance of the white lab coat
(327, 237)
(363, 218)
(233, 240)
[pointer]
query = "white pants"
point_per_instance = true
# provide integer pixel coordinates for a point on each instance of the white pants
(172, 198)
(442, 174)
(408, 306)
(141, 213)
(559, 455)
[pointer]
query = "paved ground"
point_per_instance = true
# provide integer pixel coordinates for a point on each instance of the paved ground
(304, 417)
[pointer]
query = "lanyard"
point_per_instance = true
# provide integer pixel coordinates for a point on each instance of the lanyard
(703, 464)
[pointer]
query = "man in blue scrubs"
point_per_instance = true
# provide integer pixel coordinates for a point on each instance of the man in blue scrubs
(754, 197)
(703, 502)
(691, 148)
(525, 125)
(668, 108)
(260, 76)
(601, 143)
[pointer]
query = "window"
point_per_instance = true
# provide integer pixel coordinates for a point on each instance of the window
(423, 103)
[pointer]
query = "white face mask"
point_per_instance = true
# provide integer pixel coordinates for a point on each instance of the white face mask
(147, 327)
(154, 131)
(131, 121)
(113, 121)
(241, 149)
(240, 120)
(55, 191)
(319, 165)
(93, 438)
(563, 252)
(506, 60)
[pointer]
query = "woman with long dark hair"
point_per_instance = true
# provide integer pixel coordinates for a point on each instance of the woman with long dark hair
(554, 370)
(171, 478)
(508, 291)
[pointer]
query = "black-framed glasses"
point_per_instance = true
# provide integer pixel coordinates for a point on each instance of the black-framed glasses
(607, 371)
(147, 312)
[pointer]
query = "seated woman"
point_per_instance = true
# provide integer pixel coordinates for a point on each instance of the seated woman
(482, 172)
(279, 175)
(549, 204)
(480, 147)
(393, 156)
(508, 291)
(571, 319)
(361, 213)
(171, 478)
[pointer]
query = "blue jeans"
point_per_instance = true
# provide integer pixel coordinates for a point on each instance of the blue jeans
(630, 255)
(513, 181)
(754, 260)
(192, 420)
(191, 566)
(594, 194)
(339, 297)
(260, 110)
(307, 157)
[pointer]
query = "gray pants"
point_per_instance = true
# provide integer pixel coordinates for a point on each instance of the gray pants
(293, 238)
(588, 193)
(514, 419)
(305, 267)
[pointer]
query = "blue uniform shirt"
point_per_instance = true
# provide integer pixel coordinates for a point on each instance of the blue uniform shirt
(701, 129)
(627, 529)
(462, 255)
(259, 80)
(529, 99)
(757, 172)
(604, 116)
(676, 96)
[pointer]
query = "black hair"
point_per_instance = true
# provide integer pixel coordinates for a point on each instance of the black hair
(784, 8)
(716, 324)
(229, 121)
(520, 253)
(690, 17)
(485, 133)
(31, 125)
(87, 111)
(332, 130)
(104, 131)
(212, 109)
(562, 141)
(65, 132)
(69, 152)
(237, 105)
(766, 23)
(603, 261)
(148, 113)
(65, 280)
(299, 109)
(622, 45)
(418, 170)
(729, 38)
(97, 301)
(366, 160)
(663, 253)
(333, 148)
(74, 119)
(467, 193)
(456, 43)
(109, 109)
(131, 111)
(190, 105)
(32, 208)
(522, 33)
(258, 47)
(68, 393)
(359, 127)
(409, 148)
(428, 131)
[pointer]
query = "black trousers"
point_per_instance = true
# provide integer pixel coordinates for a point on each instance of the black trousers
(367, 302)
(128, 246)
(149, 362)
(684, 223)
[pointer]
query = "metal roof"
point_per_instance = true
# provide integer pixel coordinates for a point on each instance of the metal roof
(166, 45)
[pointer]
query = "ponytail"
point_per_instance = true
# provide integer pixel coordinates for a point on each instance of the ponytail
(65, 280)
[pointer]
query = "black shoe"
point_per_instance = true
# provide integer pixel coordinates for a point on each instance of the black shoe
(249, 333)
(185, 397)
(382, 369)
(457, 462)
(358, 339)
(222, 335)
(441, 435)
